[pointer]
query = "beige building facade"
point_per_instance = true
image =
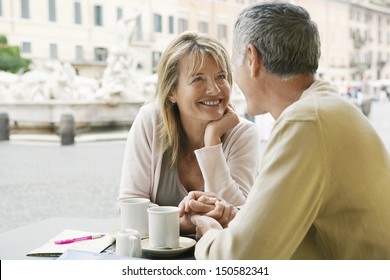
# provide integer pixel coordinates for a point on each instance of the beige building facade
(355, 37)
(355, 34)
(82, 32)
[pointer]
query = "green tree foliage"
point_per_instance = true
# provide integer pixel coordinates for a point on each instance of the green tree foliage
(3, 40)
(10, 59)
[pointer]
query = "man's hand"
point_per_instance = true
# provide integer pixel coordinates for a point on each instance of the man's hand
(223, 213)
(195, 202)
(199, 202)
(208, 204)
(204, 224)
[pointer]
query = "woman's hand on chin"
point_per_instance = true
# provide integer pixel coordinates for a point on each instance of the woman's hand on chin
(215, 129)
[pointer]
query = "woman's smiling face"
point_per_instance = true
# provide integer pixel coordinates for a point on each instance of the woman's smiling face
(204, 95)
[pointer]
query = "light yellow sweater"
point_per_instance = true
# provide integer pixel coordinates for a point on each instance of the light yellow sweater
(323, 191)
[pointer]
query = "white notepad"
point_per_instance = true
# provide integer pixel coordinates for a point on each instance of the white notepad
(50, 249)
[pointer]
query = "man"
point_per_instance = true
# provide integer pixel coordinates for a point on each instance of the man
(323, 190)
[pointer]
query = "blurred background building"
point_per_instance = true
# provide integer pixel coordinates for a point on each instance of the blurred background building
(355, 34)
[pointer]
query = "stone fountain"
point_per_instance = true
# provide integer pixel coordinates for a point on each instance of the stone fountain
(59, 97)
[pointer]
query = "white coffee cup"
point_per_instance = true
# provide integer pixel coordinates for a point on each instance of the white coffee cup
(134, 214)
(128, 243)
(164, 227)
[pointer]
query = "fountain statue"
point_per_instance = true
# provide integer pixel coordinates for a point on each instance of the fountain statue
(59, 82)
(120, 78)
(46, 96)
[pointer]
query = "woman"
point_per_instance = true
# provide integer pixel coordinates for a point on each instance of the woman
(189, 138)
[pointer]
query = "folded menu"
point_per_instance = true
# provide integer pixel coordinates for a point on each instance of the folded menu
(50, 249)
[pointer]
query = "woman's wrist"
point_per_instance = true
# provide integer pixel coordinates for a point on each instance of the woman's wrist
(211, 138)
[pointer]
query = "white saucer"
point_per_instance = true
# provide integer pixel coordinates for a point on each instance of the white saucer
(185, 245)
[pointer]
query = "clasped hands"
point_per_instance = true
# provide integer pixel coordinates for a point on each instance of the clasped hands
(202, 211)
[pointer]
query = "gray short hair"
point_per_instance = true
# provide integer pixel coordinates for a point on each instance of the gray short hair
(284, 35)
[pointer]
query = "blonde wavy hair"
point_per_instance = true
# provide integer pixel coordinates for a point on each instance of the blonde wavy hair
(195, 47)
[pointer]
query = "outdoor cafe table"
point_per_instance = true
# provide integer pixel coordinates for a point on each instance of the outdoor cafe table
(16, 243)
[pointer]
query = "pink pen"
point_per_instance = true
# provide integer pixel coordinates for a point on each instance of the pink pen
(67, 241)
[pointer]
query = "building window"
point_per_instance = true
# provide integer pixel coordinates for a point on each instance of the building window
(157, 23)
(98, 15)
(203, 27)
(26, 47)
(379, 56)
(79, 53)
(25, 8)
(139, 28)
(222, 32)
(368, 58)
(155, 59)
(119, 13)
(366, 35)
(367, 17)
(77, 13)
(171, 27)
(182, 25)
(101, 54)
(53, 51)
(52, 10)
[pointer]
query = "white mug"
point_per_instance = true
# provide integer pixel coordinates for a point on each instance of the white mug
(134, 214)
(128, 243)
(164, 227)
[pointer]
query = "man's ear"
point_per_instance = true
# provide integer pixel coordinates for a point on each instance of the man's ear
(254, 60)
